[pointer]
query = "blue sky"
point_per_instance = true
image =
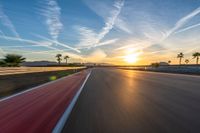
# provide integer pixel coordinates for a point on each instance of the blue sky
(100, 30)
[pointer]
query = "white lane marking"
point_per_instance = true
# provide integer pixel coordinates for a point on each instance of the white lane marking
(37, 87)
(61, 123)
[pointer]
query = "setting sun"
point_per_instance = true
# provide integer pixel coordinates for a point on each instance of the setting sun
(131, 58)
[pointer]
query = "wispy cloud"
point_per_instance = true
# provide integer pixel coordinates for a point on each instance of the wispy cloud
(110, 11)
(52, 12)
(96, 56)
(182, 22)
(159, 35)
(125, 47)
(107, 42)
(90, 39)
(33, 53)
(38, 43)
(110, 21)
(187, 28)
(19, 46)
(47, 44)
(58, 43)
(138, 44)
(7, 22)
(87, 36)
(54, 52)
(122, 25)
(63, 52)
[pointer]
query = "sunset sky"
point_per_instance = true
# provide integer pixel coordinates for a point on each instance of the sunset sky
(104, 31)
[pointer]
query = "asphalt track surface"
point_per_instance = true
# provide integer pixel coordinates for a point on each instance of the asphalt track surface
(127, 101)
(39, 110)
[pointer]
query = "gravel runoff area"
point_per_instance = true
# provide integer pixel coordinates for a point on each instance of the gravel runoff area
(10, 84)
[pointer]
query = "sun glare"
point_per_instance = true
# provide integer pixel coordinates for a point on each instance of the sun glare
(131, 58)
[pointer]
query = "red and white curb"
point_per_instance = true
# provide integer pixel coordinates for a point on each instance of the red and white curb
(61, 123)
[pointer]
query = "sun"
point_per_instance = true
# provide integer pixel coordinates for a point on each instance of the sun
(131, 58)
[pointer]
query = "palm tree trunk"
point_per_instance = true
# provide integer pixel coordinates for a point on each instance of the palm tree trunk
(197, 60)
(59, 61)
(180, 61)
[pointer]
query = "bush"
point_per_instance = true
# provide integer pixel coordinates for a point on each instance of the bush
(155, 64)
(12, 60)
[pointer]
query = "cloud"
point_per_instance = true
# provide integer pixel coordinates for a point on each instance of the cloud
(156, 33)
(107, 42)
(44, 43)
(52, 13)
(7, 22)
(20, 46)
(110, 21)
(187, 28)
(54, 52)
(154, 47)
(89, 38)
(38, 43)
(138, 44)
(121, 24)
(126, 47)
(182, 22)
(96, 56)
(58, 43)
(109, 11)
(46, 52)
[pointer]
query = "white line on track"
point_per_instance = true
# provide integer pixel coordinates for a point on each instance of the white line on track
(61, 123)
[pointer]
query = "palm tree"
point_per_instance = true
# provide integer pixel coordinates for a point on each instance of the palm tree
(13, 60)
(58, 56)
(169, 61)
(66, 58)
(187, 61)
(2, 63)
(196, 55)
(180, 56)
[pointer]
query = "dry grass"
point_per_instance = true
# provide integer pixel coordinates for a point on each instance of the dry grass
(10, 84)
(19, 70)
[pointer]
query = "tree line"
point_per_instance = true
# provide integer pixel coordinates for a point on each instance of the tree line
(59, 58)
(195, 55)
(13, 60)
(16, 60)
(180, 56)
